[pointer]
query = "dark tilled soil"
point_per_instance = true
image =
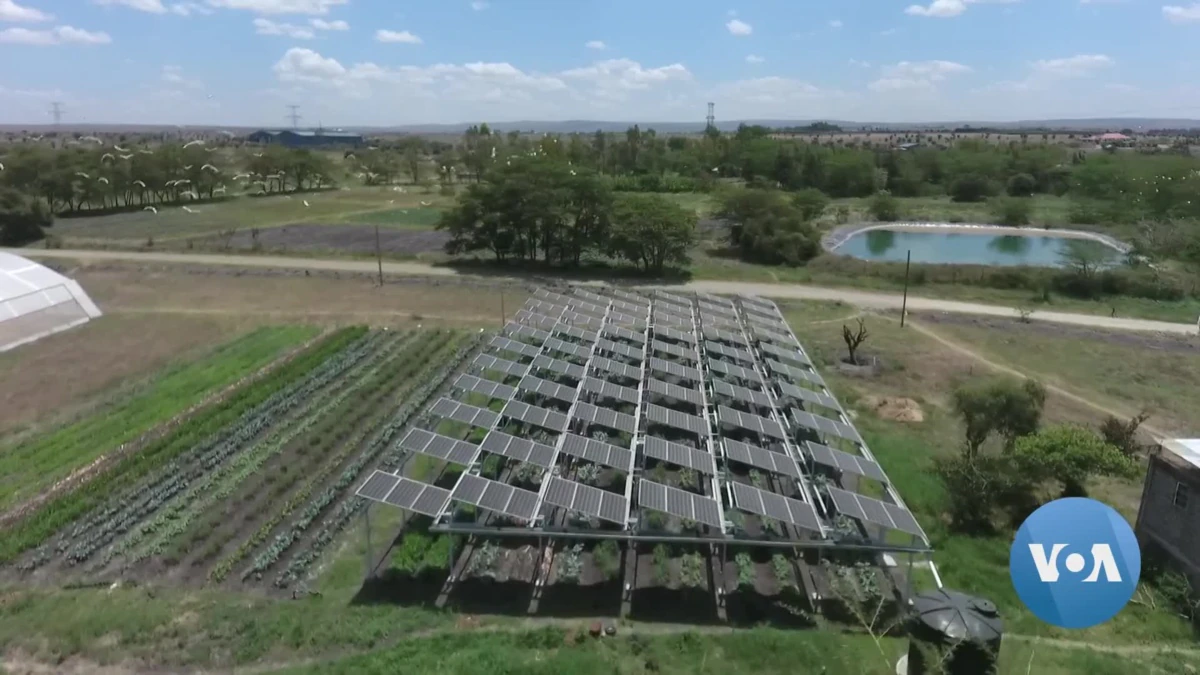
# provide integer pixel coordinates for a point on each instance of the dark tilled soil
(345, 238)
(1182, 344)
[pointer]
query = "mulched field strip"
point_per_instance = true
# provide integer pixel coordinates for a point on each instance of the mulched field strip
(1181, 344)
(348, 238)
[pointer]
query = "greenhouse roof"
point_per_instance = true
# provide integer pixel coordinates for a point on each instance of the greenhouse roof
(36, 301)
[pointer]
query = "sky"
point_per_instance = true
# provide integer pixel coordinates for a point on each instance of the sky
(394, 62)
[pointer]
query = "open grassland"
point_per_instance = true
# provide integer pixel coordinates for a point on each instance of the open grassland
(1047, 210)
(33, 466)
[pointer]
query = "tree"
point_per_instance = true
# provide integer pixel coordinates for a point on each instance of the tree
(1123, 435)
(854, 339)
(1021, 185)
(976, 487)
(884, 207)
(971, 187)
(652, 232)
(1069, 454)
(811, 203)
(22, 218)
(1005, 406)
(1011, 210)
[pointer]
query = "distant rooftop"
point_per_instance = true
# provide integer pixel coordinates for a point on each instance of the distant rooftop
(311, 132)
(1187, 449)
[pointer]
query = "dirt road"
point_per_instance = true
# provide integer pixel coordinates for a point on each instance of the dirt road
(863, 299)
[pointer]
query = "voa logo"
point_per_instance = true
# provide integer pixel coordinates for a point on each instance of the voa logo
(1075, 562)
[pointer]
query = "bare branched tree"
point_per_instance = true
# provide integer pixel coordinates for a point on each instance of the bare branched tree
(854, 339)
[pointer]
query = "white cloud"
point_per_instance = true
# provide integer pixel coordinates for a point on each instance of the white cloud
(322, 24)
(189, 8)
(596, 44)
(319, 7)
(11, 11)
(267, 27)
(479, 5)
(1178, 14)
(755, 59)
(404, 37)
(916, 75)
(59, 35)
(151, 6)
(1073, 66)
(738, 27)
(836, 23)
(860, 64)
(944, 9)
(614, 79)
(305, 65)
(174, 75)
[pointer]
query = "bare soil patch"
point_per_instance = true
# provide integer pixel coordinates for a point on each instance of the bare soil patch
(895, 408)
(345, 238)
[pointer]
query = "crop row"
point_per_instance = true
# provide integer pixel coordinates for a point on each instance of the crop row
(333, 525)
(68, 507)
(417, 361)
(202, 475)
(335, 421)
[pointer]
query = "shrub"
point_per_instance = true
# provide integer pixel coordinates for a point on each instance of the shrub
(811, 203)
(884, 207)
(970, 187)
(607, 557)
(1021, 185)
(745, 569)
(1012, 210)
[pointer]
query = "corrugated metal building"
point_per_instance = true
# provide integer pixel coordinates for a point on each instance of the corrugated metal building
(307, 139)
(1169, 518)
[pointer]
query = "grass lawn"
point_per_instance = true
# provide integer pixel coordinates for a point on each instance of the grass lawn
(420, 218)
(29, 467)
(1047, 210)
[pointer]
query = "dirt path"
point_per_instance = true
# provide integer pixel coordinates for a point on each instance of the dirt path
(864, 299)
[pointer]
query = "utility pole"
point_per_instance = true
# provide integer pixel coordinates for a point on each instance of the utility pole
(503, 314)
(294, 115)
(904, 303)
(379, 256)
(711, 120)
(56, 112)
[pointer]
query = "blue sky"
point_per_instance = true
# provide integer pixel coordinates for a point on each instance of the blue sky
(356, 62)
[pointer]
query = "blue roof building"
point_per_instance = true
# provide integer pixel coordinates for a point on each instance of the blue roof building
(307, 139)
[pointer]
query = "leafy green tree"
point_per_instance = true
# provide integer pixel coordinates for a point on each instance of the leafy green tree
(811, 203)
(976, 487)
(1011, 210)
(652, 232)
(1069, 454)
(1021, 185)
(22, 218)
(1004, 406)
(884, 207)
(970, 187)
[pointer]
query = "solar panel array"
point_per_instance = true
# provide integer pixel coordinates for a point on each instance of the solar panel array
(629, 381)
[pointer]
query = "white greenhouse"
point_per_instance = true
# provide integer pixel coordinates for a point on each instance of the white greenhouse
(36, 301)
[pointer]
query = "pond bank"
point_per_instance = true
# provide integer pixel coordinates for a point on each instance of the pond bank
(841, 234)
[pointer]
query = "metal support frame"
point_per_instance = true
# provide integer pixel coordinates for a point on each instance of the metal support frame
(638, 433)
(710, 415)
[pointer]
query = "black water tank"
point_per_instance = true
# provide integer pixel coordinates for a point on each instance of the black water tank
(960, 631)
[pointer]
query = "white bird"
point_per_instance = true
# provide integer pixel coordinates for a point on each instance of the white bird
(306, 202)
(230, 134)
(572, 172)
(210, 166)
(119, 148)
(426, 203)
(188, 167)
(210, 149)
(390, 201)
(102, 179)
(241, 176)
(107, 155)
(258, 154)
(38, 138)
(220, 189)
(191, 143)
(151, 209)
(82, 174)
(188, 210)
(146, 152)
(194, 195)
(287, 196)
(140, 183)
(182, 181)
(129, 156)
(714, 169)
(92, 138)
(1, 167)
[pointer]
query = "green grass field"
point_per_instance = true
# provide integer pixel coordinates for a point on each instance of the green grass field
(30, 467)
(420, 218)
(1047, 210)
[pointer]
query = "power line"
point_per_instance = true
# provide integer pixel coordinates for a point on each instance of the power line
(56, 112)
(294, 115)
(711, 120)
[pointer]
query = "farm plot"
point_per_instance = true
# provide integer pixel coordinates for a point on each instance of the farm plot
(309, 237)
(422, 218)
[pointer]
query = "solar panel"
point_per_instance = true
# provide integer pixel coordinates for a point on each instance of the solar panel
(711, 319)
(531, 414)
(590, 296)
(513, 328)
(686, 505)
(620, 319)
(674, 391)
(784, 509)
(572, 370)
(826, 425)
(675, 369)
(486, 387)
(761, 425)
(587, 307)
(578, 319)
(604, 417)
(663, 296)
(489, 362)
(586, 499)
(437, 445)
(726, 368)
(634, 298)
(730, 352)
(629, 307)
(870, 510)
(772, 325)
(625, 334)
(715, 299)
(756, 301)
(761, 457)
(520, 449)
(496, 497)
(551, 296)
(534, 319)
(620, 348)
(793, 354)
(575, 332)
(405, 493)
(578, 351)
(720, 310)
(544, 308)
(597, 452)
(514, 346)
(793, 372)
(742, 394)
(763, 334)
(808, 395)
(616, 368)
(674, 418)
(674, 350)
(661, 316)
(547, 388)
(844, 461)
(725, 336)
(610, 390)
(461, 412)
(760, 311)
(680, 454)
(676, 335)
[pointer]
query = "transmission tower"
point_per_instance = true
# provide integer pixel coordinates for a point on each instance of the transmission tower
(294, 115)
(56, 112)
(711, 119)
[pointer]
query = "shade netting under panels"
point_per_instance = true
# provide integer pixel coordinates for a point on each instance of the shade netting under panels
(826, 426)
(729, 352)
(743, 394)
(680, 455)
(437, 445)
(679, 503)
(620, 348)
(870, 510)
(520, 449)
(547, 388)
(597, 452)
(844, 461)
(731, 370)
(793, 354)
(585, 499)
(675, 334)
(515, 346)
(489, 362)
(609, 390)
(496, 497)
(571, 370)
(461, 412)
(760, 425)
(539, 417)
(675, 419)
(722, 335)
(604, 417)
(616, 368)
(793, 373)
(660, 388)
(776, 506)
(679, 351)
(675, 370)
(486, 387)
(405, 493)
(804, 395)
(761, 458)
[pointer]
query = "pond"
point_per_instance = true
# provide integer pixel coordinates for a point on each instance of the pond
(973, 248)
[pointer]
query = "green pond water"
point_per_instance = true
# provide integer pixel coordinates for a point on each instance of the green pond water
(967, 248)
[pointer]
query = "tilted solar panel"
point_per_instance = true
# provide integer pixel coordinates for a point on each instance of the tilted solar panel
(805, 395)
(730, 352)
(603, 416)
(547, 388)
(597, 452)
(539, 321)
(616, 368)
(732, 337)
(486, 387)
(726, 368)
(572, 370)
(442, 447)
(489, 362)
(586, 499)
(578, 351)
(675, 369)
(844, 461)
(575, 332)
(775, 506)
(520, 449)
(680, 503)
(530, 414)
(528, 332)
(870, 510)
(674, 350)
(674, 391)
(405, 493)
(676, 419)
(794, 354)
(625, 333)
(758, 398)
(796, 374)
(760, 425)
(610, 390)
(496, 497)
(679, 454)
(515, 346)
(461, 412)
(826, 425)
(762, 458)
(675, 334)
(620, 348)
